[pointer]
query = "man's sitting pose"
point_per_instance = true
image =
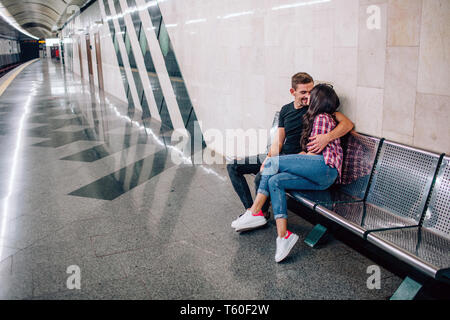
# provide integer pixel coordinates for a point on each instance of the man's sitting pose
(286, 141)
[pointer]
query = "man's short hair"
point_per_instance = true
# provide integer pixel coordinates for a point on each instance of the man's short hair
(301, 78)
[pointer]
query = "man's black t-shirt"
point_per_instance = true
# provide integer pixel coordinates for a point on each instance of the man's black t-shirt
(291, 120)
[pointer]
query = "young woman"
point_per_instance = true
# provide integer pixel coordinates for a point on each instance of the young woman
(304, 171)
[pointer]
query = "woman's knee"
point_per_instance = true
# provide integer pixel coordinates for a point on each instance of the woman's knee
(274, 182)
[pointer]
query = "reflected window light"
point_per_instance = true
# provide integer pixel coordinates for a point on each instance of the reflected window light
(186, 160)
(131, 10)
(195, 21)
(12, 178)
(237, 14)
(171, 25)
(299, 4)
(154, 3)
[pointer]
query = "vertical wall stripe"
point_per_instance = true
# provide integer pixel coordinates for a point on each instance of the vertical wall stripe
(123, 75)
(170, 103)
(176, 78)
(131, 59)
(151, 76)
(94, 58)
(151, 87)
(124, 62)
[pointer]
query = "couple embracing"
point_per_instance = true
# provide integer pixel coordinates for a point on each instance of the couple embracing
(306, 154)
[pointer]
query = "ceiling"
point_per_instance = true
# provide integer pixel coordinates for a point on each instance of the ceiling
(42, 18)
(8, 32)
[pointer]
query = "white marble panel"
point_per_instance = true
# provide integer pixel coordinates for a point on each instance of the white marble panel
(372, 47)
(400, 90)
(345, 78)
(303, 30)
(369, 115)
(434, 63)
(323, 43)
(404, 18)
(252, 60)
(304, 60)
(279, 61)
(432, 118)
(397, 137)
(346, 23)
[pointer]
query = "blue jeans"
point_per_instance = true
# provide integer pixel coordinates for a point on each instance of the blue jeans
(294, 172)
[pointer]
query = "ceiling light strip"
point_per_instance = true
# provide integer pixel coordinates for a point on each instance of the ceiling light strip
(5, 15)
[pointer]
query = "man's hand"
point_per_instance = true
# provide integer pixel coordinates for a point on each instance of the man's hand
(318, 143)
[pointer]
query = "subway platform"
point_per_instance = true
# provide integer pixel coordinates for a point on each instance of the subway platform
(86, 185)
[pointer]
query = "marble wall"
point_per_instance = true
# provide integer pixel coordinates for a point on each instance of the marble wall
(388, 60)
(87, 25)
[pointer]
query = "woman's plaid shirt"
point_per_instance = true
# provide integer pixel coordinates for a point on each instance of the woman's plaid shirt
(332, 154)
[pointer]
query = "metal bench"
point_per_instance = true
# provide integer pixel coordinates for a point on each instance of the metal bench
(392, 214)
(427, 246)
(360, 152)
(397, 194)
(395, 197)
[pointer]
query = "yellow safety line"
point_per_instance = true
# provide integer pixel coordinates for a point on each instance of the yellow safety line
(12, 76)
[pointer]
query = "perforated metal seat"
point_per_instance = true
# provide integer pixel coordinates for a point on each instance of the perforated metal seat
(397, 194)
(426, 247)
(325, 197)
(362, 217)
(359, 157)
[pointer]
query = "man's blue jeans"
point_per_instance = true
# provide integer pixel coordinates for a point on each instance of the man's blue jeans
(294, 172)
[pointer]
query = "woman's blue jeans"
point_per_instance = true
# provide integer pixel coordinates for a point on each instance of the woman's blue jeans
(294, 172)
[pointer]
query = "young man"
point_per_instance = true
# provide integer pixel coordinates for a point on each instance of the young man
(286, 141)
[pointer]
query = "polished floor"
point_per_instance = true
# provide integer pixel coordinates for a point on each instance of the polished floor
(82, 183)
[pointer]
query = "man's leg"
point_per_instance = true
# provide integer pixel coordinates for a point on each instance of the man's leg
(237, 170)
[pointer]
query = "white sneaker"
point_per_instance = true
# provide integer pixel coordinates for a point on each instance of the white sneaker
(234, 223)
(285, 245)
(249, 221)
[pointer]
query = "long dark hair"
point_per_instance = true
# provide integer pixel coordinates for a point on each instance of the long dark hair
(323, 100)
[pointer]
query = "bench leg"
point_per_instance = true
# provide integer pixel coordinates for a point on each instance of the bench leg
(407, 290)
(315, 235)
